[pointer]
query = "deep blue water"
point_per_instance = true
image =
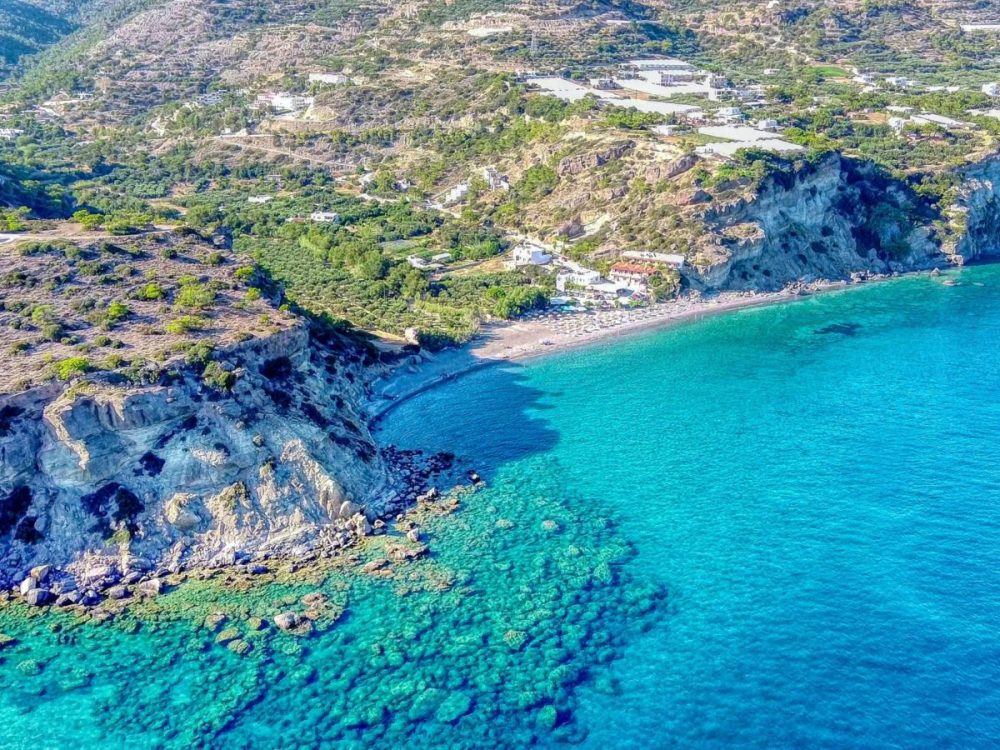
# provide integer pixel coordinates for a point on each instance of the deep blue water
(817, 486)
(813, 485)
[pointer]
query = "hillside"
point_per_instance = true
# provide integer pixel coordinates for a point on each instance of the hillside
(26, 29)
(421, 134)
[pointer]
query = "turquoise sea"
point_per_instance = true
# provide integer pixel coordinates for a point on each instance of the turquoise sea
(778, 527)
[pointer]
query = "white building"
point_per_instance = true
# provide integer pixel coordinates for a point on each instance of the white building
(441, 258)
(417, 262)
(634, 276)
(456, 194)
(8, 134)
(324, 217)
(581, 278)
(285, 102)
(667, 259)
(495, 180)
(661, 63)
(331, 78)
(729, 114)
(527, 254)
(260, 199)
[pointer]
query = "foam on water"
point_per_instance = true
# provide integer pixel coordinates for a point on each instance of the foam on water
(814, 484)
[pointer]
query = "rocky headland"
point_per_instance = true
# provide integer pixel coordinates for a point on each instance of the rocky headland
(107, 487)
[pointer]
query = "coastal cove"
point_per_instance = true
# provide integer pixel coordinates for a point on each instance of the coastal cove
(774, 527)
(815, 485)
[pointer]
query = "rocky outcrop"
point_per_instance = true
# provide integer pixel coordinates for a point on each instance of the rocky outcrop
(100, 479)
(828, 220)
(574, 165)
(670, 170)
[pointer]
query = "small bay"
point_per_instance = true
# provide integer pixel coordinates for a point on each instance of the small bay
(777, 527)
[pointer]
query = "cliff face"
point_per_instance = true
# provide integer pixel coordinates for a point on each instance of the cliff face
(830, 220)
(98, 476)
(978, 208)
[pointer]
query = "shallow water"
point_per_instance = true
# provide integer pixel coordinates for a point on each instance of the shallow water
(814, 485)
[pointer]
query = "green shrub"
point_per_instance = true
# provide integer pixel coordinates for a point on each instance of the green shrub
(186, 324)
(194, 296)
(116, 312)
(73, 367)
(215, 377)
(151, 292)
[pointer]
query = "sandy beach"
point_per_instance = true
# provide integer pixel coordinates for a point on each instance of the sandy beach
(549, 332)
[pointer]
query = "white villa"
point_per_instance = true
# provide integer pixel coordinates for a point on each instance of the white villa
(527, 254)
(285, 102)
(634, 276)
(331, 78)
(324, 217)
(582, 278)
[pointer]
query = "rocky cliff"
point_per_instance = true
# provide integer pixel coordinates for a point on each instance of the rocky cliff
(108, 481)
(829, 220)
(977, 212)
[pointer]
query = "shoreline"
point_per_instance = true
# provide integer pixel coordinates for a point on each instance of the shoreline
(555, 333)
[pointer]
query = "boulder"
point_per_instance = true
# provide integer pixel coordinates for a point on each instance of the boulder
(374, 566)
(118, 592)
(152, 587)
(313, 599)
(257, 569)
(40, 572)
(38, 597)
(413, 535)
(27, 585)
(287, 620)
(361, 524)
(68, 600)
(349, 509)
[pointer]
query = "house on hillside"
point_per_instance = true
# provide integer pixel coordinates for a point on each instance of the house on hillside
(324, 217)
(528, 254)
(632, 275)
(576, 278)
(331, 78)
